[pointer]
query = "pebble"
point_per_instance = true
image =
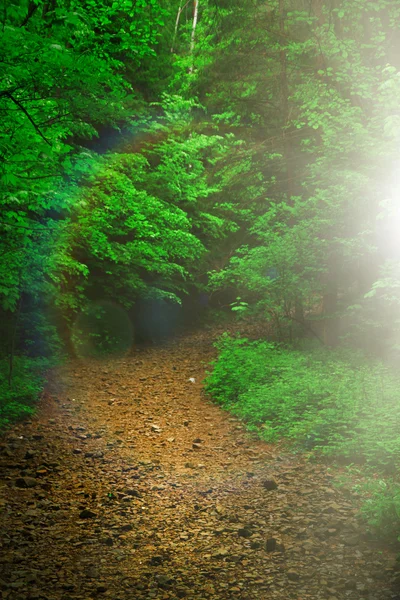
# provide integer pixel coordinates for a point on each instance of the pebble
(87, 514)
(269, 484)
(26, 482)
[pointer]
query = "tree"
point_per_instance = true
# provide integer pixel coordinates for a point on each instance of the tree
(64, 73)
(304, 86)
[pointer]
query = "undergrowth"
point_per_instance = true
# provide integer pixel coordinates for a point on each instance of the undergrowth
(336, 403)
(17, 401)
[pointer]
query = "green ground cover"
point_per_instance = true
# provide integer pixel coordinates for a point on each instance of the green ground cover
(330, 403)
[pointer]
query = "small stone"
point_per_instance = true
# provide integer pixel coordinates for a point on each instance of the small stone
(245, 533)
(68, 587)
(351, 540)
(77, 451)
(196, 446)
(280, 547)
(197, 441)
(87, 514)
(108, 541)
(293, 575)
(164, 581)
(270, 545)
(270, 484)
(186, 423)
(29, 454)
(221, 552)
(25, 482)
(133, 492)
(91, 572)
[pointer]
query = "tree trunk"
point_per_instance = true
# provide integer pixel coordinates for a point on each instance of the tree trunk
(194, 25)
(178, 16)
(285, 102)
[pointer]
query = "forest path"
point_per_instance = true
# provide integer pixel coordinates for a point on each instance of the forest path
(129, 484)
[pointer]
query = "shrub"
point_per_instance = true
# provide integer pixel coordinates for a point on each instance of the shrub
(334, 402)
(17, 401)
(382, 509)
(330, 402)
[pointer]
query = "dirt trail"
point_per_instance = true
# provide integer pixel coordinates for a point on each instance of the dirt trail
(129, 484)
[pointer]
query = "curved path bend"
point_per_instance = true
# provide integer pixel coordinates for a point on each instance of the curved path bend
(129, 484)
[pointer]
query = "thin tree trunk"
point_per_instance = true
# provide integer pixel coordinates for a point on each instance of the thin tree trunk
(178, 16)
(285, 101)
(13, 339)
(32, 8)
(194, 25)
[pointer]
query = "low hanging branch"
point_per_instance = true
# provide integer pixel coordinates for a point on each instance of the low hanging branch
(28, 116)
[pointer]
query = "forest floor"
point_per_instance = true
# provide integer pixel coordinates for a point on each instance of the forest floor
(130, 484)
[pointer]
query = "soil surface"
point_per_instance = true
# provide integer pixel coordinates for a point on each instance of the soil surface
(130, 484)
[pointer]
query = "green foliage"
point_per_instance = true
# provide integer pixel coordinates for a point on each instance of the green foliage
(18, 400)
(317, 107)
(66, 71)
(143, 223)
(258, 155)
(381, 509)
(332, 402)
(76, 226)
(130, 239)
(239, 306)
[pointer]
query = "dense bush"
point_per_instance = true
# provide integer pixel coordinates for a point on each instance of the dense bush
(330, 401)
(18, 399)
(381, 509)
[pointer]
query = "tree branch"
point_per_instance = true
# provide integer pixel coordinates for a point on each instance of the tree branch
(180, 10)
(31, 11)
(32, 228)
(28, 116)
(7, 92)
